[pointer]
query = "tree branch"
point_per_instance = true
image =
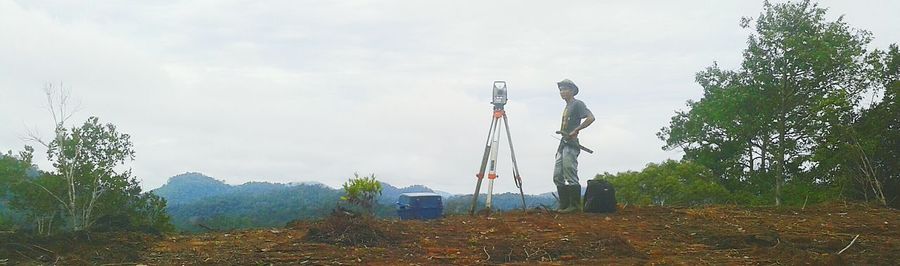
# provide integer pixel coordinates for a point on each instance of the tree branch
(48, 191)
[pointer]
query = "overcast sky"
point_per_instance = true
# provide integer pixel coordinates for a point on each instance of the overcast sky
(291, 91)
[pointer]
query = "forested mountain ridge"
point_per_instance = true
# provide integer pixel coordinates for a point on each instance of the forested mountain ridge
(189, 187)
(194, 199)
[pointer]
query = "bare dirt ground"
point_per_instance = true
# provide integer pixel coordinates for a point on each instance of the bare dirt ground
(634, 235)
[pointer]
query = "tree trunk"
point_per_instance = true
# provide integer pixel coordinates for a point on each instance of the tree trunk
(779, 153)
(764, 154)
(779, 176)
(50, 224)
(868, 173)
(750, 153)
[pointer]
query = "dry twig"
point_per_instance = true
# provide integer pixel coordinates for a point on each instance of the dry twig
(44, 249)
(848, 246)
(804, 202)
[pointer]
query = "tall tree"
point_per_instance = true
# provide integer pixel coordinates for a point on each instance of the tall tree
(812, 70)
(88, 180)
(86, 158)
(724, 130)
(801, 76)
(863, 152)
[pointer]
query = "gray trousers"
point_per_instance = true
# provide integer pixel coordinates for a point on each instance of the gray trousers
(565, 172)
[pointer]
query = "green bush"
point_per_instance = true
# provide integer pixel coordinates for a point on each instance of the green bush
(803, 193)
(681, 183)
(362, 192)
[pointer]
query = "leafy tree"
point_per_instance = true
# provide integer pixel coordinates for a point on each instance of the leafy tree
(882, 126)
(87, 186)
(13, 170)
(151, 212)
(813, 70)
(862, 153)
(87, 181)
(23, 194)
(31, 197)
(86, 158)
(362, 192)
(757, 127)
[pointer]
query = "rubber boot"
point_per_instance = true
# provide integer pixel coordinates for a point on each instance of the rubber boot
(571, 192)
(575, 201)
(563, 194)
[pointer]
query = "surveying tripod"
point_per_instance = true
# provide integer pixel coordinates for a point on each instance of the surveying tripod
(489, 159)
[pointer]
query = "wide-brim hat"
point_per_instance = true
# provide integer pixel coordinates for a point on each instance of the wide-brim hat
(568, 84)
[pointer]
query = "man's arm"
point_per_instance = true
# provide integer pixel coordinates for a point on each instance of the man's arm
(587, 122)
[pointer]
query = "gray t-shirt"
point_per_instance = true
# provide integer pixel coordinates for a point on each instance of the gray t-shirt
(573, 114)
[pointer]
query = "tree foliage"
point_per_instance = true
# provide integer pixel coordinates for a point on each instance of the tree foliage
(22, 192)
(13, 170)
(86, 158)
(862, 153)
(263, 205)
(760, 128)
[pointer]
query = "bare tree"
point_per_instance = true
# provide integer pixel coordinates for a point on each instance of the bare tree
(58, 106)
(867, 176)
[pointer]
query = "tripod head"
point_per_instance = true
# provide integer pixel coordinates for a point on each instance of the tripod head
(499, 95)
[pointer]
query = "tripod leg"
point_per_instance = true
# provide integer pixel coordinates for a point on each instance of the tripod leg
(484, 161)
(512, 152)
(492, 165)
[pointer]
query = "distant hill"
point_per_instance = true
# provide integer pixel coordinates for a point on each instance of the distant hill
(500, 202)
(194, 199)
(390, 194)
(444, 194)
(189, 187)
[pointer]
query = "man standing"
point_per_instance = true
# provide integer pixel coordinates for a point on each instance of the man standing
(565, 173)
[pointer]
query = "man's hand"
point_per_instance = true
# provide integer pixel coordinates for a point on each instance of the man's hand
(574, 134)
(569, 136)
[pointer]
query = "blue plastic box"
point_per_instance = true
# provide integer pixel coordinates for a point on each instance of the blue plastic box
(419, 206)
